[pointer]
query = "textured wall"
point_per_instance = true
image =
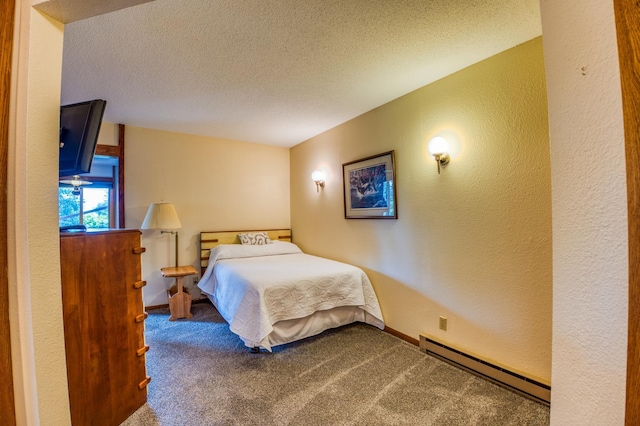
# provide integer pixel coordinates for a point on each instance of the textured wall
(108, 133)
(472, 244)
(37, 333)
(215, 185)
(590, 293)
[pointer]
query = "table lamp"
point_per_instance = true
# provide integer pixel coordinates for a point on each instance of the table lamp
(163, 216)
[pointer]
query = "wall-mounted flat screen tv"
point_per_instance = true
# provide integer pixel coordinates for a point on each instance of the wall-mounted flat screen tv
(79, 129)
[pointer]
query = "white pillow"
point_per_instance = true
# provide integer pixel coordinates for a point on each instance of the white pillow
(254, 238)
(238, 251)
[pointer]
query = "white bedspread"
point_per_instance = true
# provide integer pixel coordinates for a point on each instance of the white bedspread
(253, 287)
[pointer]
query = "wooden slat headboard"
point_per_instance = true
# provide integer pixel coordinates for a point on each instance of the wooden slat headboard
(210, 239)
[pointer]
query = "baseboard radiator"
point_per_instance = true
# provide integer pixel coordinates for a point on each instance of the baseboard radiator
(516, 382)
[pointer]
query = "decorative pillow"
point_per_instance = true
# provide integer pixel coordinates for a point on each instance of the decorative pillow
(255, 238)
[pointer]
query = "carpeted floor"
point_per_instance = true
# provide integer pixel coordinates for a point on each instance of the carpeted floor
(202, 374)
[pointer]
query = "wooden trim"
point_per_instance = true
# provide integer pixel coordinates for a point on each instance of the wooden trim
(118, 152)
(112, 194)
(151, 308)
(108, 150)
(7, 401)
(402, 336)
(627, 14)
(202, 299)
(121, 223)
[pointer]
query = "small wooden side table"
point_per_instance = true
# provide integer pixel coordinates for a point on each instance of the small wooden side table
(179, 303)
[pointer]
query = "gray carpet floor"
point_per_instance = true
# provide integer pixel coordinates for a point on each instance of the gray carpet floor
(202, 374)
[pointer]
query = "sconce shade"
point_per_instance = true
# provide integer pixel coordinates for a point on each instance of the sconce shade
(161, 216)
(437, 145)
(317, 176)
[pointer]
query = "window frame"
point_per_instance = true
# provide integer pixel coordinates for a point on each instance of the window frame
(108, 183)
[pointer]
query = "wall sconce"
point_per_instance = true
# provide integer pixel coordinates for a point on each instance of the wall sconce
(318, 178)
(438, 148)
(76, 182)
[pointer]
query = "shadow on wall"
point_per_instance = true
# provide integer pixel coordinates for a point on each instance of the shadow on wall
(421, 315)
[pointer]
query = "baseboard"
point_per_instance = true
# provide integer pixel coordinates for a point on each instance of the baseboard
(526, 386)
(166, 305)
(402, 336)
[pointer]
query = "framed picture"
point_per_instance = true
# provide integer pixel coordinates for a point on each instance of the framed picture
(370, 188)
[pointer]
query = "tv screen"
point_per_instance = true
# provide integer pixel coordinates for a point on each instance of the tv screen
(79, 129)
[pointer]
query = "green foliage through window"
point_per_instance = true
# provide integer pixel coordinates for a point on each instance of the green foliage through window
(89, 207)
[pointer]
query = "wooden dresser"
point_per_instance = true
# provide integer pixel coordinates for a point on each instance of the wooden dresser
(103, 325)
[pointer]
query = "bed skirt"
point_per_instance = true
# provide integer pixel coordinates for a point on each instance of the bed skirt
(288, 331)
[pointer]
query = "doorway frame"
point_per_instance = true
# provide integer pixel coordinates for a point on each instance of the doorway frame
(7, 397)
(627, 16)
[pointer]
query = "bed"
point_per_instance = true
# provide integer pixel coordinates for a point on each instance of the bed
(271, 293)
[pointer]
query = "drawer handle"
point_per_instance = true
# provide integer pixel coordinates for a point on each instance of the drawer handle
(143, 384)
(142, 317)
(143, 350)
(139, 284)
(139, 250)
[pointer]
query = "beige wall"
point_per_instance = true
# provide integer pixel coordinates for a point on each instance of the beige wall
(37, 337)
(590, 241)
(215, 184)
(472, 244)
(108, 133)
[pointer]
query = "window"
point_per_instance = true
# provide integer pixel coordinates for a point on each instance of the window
(93, 206)
(89, 206)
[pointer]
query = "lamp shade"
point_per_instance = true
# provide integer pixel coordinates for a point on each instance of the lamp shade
(161, 216)
(437, 145)
(76, 180)
(318, 176)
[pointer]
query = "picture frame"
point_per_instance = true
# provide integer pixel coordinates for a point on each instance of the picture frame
(370, 190)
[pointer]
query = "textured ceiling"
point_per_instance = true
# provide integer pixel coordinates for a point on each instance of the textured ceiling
(67, 11)
(277, 71)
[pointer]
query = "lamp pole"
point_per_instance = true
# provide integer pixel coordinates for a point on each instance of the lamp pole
(176, 249)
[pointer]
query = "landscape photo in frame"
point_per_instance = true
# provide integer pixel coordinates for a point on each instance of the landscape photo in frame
(370, 188)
